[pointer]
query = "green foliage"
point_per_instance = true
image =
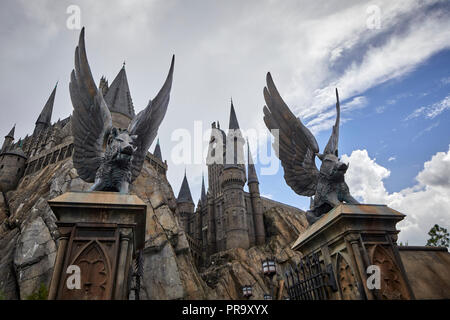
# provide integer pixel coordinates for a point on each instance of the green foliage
(403, 244)
(439, 237)
(2, 295)
(40, 294)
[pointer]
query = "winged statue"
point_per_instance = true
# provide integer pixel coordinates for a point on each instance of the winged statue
(297, 150)
(110, 158)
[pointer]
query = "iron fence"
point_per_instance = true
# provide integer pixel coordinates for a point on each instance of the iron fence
(309, 280)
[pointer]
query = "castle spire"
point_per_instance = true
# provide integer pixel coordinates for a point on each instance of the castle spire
(235, 143)
(233, 119)
(118, 97)
(252, 177)
(203, 194)
(11, 133)
(46, 114)
(185, 192)
(157, 151)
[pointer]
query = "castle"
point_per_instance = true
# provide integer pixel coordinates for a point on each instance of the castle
(226, 216)
(50, 143)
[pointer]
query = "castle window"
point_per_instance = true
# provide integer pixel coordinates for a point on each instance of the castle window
(62, 153)
(54, 156)
(70, 151)
(39, 164)
(47, 160)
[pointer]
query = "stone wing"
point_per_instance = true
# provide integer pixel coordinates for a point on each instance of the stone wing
(146, 123)
(333, 142)
(296, 146)
(91, 120)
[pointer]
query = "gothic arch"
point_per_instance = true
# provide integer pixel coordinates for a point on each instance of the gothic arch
(96, 273)
(393, 286)
(348, 284)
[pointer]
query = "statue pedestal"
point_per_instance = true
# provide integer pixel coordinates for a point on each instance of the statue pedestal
(99, 234)
(348, 240)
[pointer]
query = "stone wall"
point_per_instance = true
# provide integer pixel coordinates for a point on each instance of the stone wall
(11, 169)
(428, 271)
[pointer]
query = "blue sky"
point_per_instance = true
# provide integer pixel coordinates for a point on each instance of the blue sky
(389, 60)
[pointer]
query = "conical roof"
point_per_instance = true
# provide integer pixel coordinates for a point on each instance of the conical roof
(118, 97)
(157, 151)
(233, 133)
(234, 124)
(185, 192)
(203, 194)
(11, 133)
(46, 114)
(252, 177)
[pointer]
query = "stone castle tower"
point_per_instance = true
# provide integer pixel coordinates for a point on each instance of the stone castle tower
(50, 143)
(232, 180)
(226, 216)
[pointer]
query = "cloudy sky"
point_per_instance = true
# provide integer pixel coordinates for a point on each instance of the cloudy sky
(389, 59)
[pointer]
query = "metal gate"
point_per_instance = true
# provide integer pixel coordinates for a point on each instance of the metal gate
(309, 281)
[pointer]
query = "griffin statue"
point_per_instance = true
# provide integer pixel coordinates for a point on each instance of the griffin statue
(297, 149)
(110, 157)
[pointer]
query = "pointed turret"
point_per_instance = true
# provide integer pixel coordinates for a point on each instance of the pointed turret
(118, 97)
(44, 119)
(9, 138)
(185, 206)
(234, 124)
(185, 192)
(11, 132)
(157, 151)
(203, 194)
(235, 143)
(103, 85)
(255, 196)
(252, 177)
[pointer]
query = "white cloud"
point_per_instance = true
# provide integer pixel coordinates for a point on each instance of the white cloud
(425, 204)
(399, 54)
(393, 158)
(431, 111)
(427, 129)
(327, 119)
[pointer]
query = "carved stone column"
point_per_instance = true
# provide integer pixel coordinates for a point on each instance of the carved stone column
(100, 233)
(349, 239)
(64, 235)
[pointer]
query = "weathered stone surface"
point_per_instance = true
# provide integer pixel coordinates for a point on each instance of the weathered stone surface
(169, 272)
(8, 282)
(3, 210)
(34, 257)
(427, 271)
(230, 270)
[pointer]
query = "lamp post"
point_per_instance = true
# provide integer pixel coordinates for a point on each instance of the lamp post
(269, 269)
(247, 291)
(267, 296)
